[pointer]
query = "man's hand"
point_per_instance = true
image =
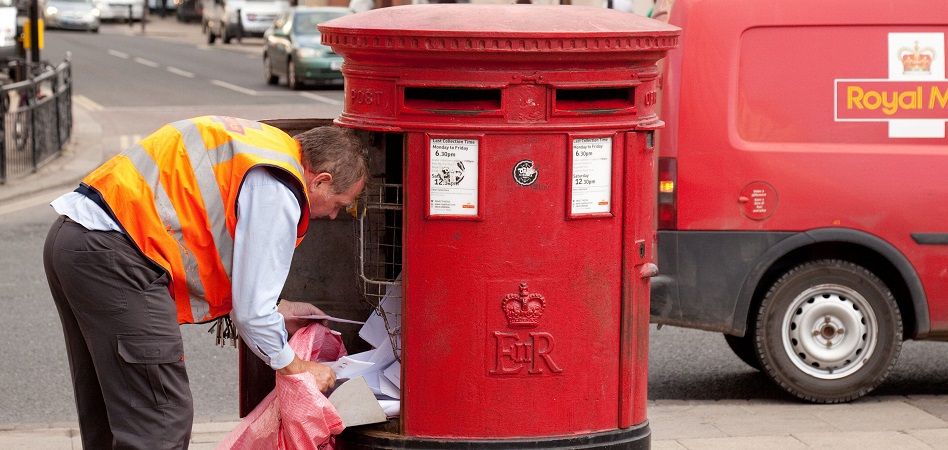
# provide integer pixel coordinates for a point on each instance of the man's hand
(325, 377)
(291, 309)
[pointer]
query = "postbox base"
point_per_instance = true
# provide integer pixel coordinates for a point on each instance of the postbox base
(370, 438)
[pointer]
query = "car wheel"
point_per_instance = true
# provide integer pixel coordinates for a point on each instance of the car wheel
(21, 132)
(291, 79)
(744, 348)
(268, 71)
(828, 331)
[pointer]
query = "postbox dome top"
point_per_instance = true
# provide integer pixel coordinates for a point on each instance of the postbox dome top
(468, 19)
(395, 27)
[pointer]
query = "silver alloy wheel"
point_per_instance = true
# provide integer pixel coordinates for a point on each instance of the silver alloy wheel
(268, 71)
(830, 331)
(291, 81)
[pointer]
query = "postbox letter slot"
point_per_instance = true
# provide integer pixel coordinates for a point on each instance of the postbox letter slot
(595, 99)
(452, 100)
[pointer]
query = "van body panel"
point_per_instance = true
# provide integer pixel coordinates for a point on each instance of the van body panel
(692, 268)
(788, 98)
(8, 31)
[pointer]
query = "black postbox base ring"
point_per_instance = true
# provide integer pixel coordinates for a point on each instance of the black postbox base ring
(637, 437)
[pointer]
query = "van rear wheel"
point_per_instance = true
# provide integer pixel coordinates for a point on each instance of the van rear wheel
(828, 331)
(744, 348)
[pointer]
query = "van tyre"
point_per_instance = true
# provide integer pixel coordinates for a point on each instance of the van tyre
(828, 331)
(744, 348)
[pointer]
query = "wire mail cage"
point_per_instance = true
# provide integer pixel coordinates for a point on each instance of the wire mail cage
(380, 255)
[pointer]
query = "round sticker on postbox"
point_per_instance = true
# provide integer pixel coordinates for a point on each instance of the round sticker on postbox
(524, 173)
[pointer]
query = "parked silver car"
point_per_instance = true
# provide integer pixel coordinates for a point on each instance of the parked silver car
(71, 14)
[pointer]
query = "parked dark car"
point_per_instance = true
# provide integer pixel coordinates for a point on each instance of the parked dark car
(292, 48)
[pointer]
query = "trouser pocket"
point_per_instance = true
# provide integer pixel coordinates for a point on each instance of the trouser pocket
(154, 370)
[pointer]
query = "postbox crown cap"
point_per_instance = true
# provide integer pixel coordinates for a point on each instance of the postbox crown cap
(492, 20)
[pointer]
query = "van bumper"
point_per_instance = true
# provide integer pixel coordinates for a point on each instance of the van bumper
(702, 275)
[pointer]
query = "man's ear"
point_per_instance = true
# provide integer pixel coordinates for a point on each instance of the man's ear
(323, 177)
(316, 179)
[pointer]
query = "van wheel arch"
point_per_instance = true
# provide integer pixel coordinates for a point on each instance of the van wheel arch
(876, 255)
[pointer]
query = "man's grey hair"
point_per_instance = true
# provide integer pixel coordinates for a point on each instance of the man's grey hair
(339, 151)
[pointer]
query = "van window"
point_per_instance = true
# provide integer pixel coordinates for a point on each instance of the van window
(788, 76)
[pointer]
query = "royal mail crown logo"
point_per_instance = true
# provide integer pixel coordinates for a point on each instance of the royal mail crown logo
(917, 60)
(523, 310)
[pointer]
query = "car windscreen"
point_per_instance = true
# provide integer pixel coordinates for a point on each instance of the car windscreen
(305, 23)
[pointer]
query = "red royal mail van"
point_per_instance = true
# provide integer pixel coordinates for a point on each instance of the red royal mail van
(803, 194)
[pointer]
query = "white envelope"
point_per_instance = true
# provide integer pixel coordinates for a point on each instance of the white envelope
(352, 366)
(391, 407)
(374, 331)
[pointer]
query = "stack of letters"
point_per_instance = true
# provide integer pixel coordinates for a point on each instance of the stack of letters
(379, 367)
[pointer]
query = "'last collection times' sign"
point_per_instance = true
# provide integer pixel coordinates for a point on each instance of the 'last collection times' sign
(452, 190)
(592, 176)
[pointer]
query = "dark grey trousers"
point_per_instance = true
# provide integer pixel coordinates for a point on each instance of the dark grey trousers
(123, 340)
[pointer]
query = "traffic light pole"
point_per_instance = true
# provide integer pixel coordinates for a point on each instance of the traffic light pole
(34, 32)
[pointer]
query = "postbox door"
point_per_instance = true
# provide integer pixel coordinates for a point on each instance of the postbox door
(638, 262)
(517, 302)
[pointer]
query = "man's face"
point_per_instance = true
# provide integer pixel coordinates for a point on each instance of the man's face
(323, 201)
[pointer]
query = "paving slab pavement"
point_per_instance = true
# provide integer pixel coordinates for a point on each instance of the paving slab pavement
(890, 422)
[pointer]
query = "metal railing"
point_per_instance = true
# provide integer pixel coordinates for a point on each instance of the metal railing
(36, 119)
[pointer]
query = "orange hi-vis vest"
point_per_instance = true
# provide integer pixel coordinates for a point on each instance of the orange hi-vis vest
(175, 194)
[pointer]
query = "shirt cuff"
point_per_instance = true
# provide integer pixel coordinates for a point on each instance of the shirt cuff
(282, 359)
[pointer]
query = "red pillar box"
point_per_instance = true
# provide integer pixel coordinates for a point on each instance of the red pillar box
(524, 151)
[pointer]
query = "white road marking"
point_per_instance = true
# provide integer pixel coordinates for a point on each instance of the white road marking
(322, 98)
(29, 202)
(234, 87)
(87, 103)
(178, 71)
(118, 54)
(127, 140)
(145, 62)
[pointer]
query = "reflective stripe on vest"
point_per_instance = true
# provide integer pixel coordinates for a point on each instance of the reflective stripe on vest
(175, 194)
